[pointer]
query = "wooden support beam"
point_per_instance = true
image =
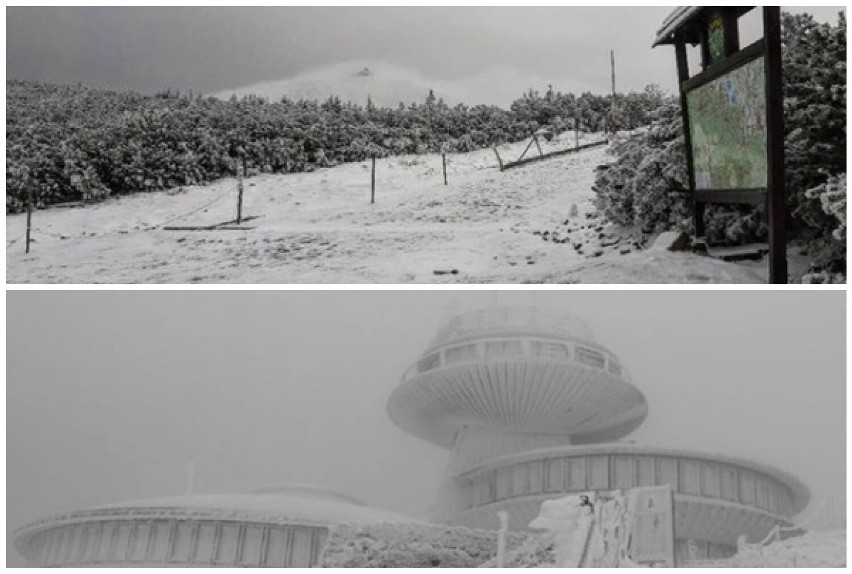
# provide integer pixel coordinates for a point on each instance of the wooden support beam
(530, 160)
(499, 160)
(776, 198)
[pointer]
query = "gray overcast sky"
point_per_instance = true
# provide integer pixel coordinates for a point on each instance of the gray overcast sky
(110, 394)
(214, 48)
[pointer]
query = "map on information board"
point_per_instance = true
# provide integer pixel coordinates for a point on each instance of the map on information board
(727, 121)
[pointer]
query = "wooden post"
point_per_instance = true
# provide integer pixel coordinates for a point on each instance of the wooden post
(576, 133)
(523, 155)
(240, 174)
(373, 183)
(500, 161)
(699, 243)
(444, 160)
(776, 187)
(29, 214)
(535, 139)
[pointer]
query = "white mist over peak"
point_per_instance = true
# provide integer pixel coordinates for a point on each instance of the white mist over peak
(388, 84)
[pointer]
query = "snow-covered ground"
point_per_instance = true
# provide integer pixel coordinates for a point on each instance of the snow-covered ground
(484, 227)
(813, 550)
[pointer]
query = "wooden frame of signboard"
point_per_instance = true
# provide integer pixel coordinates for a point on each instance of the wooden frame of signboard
(716, 30)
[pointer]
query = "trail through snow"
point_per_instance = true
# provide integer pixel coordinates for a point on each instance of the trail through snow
(320, 227)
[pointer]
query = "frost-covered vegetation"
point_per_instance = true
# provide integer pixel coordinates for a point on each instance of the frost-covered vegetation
(646, 184)
(67, 143)
(411, 546)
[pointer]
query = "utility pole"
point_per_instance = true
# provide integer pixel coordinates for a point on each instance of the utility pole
(612, 110)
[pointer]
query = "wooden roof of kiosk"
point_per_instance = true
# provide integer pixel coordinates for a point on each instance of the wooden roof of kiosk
(683, 24)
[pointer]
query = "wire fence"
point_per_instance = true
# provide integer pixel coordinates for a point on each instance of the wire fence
(184, 215)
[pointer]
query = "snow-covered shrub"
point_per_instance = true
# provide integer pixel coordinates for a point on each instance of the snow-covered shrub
(814, 112)
(123, 142)
(411, 546)
(830, 244)
(645, 184)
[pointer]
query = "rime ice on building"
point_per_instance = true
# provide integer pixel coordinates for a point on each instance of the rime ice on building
(531, 408)
(283, 526)
(529, 404)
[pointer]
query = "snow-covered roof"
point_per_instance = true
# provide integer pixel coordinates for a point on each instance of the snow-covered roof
(680, 17)
(801, 492)
(673, 21)
(299, 505)
(512, 319)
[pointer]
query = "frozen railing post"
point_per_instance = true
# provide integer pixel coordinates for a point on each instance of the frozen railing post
(501, 539)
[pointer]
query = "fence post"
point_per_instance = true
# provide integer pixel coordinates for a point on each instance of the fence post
(29, 214)
(576, 133)
(500, 161)
(444, 160)
(240, 174)
(373, 183)
(535, 139)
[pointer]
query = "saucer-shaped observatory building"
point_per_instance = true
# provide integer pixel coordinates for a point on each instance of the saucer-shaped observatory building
(283, 526)
(529, 404)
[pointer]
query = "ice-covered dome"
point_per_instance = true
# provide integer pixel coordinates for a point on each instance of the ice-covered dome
(517, 369)
(512, 320)
(273, 526)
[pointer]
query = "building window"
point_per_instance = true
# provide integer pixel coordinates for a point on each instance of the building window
(623, 472)
(710, 480)
(550, 350)
(762, 493)
(277, 547)
(536, 478)
(504, 349)
(139, 545)
(160, 534)
(598, 472)
(428, 363)
(614, 367)
(302, 547)
(690, 476)
(575, 474)
(205, 547)
(504, 484)
(182, 546)
(747, 488)
(122, 545)
(519, 480)
(555, 480)
(667, 473)
(590, 358)
(462, 354)
(729, 484)
(645, 471)
(252, 546)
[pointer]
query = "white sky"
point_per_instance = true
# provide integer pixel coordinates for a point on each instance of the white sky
(110, 394)
(210, 49)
